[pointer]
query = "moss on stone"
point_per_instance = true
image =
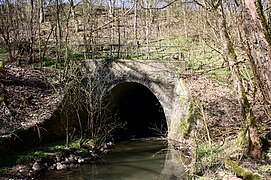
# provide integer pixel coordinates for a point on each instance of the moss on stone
(187, 124)
(1, 92)
(241, 140)
(231, 50)
(1, 65)
(1, 68)
(234, 167)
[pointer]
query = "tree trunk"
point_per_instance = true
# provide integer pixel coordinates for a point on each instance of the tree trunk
(30, 58)
(254, 145)
(41, 11)
(58, 31)
(259, 52)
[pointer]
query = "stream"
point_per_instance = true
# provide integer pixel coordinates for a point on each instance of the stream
(133, 159)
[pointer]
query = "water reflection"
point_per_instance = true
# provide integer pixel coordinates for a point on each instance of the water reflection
(174, 167)
(138, 159)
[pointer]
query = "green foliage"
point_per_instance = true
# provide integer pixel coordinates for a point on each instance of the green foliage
(208, 157)
(36, 154)
(76, 56)
(53, 63)
(32, 156)
(220, 75)
(75, 144)
(242, 139)
(3, 56)
(266, 168)
(49, 62)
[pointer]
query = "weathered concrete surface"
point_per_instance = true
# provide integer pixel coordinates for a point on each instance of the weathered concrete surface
(159, 77)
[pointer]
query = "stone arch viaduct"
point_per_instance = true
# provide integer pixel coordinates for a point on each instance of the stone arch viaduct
(159, 77)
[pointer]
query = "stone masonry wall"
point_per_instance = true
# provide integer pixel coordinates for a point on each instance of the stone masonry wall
(159, 77)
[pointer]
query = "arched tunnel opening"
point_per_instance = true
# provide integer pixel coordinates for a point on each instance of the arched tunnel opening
(135, 106)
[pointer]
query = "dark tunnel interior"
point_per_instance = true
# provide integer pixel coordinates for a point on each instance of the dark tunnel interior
(135, 105)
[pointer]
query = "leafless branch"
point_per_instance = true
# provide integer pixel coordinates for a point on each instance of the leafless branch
(172, 2)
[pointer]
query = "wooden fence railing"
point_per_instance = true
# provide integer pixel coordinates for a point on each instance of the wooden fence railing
(131, 51)
(189, 57)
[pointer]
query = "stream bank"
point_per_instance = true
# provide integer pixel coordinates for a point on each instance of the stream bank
(50, 157)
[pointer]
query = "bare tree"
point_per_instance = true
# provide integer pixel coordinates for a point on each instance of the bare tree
(86, 101)
(254, 148)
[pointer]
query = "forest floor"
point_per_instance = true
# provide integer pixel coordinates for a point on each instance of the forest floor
(32, 94)
(219, 139)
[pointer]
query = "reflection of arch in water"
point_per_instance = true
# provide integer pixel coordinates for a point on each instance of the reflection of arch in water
(174, 167)
(137, 105)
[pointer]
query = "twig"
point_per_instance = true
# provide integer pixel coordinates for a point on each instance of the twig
(17, 136)
(170, 3)
(222, 67)
(205, 124)
(114, 18)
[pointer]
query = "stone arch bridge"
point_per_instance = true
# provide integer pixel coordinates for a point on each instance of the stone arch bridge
(135, 88)
(135, 83)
